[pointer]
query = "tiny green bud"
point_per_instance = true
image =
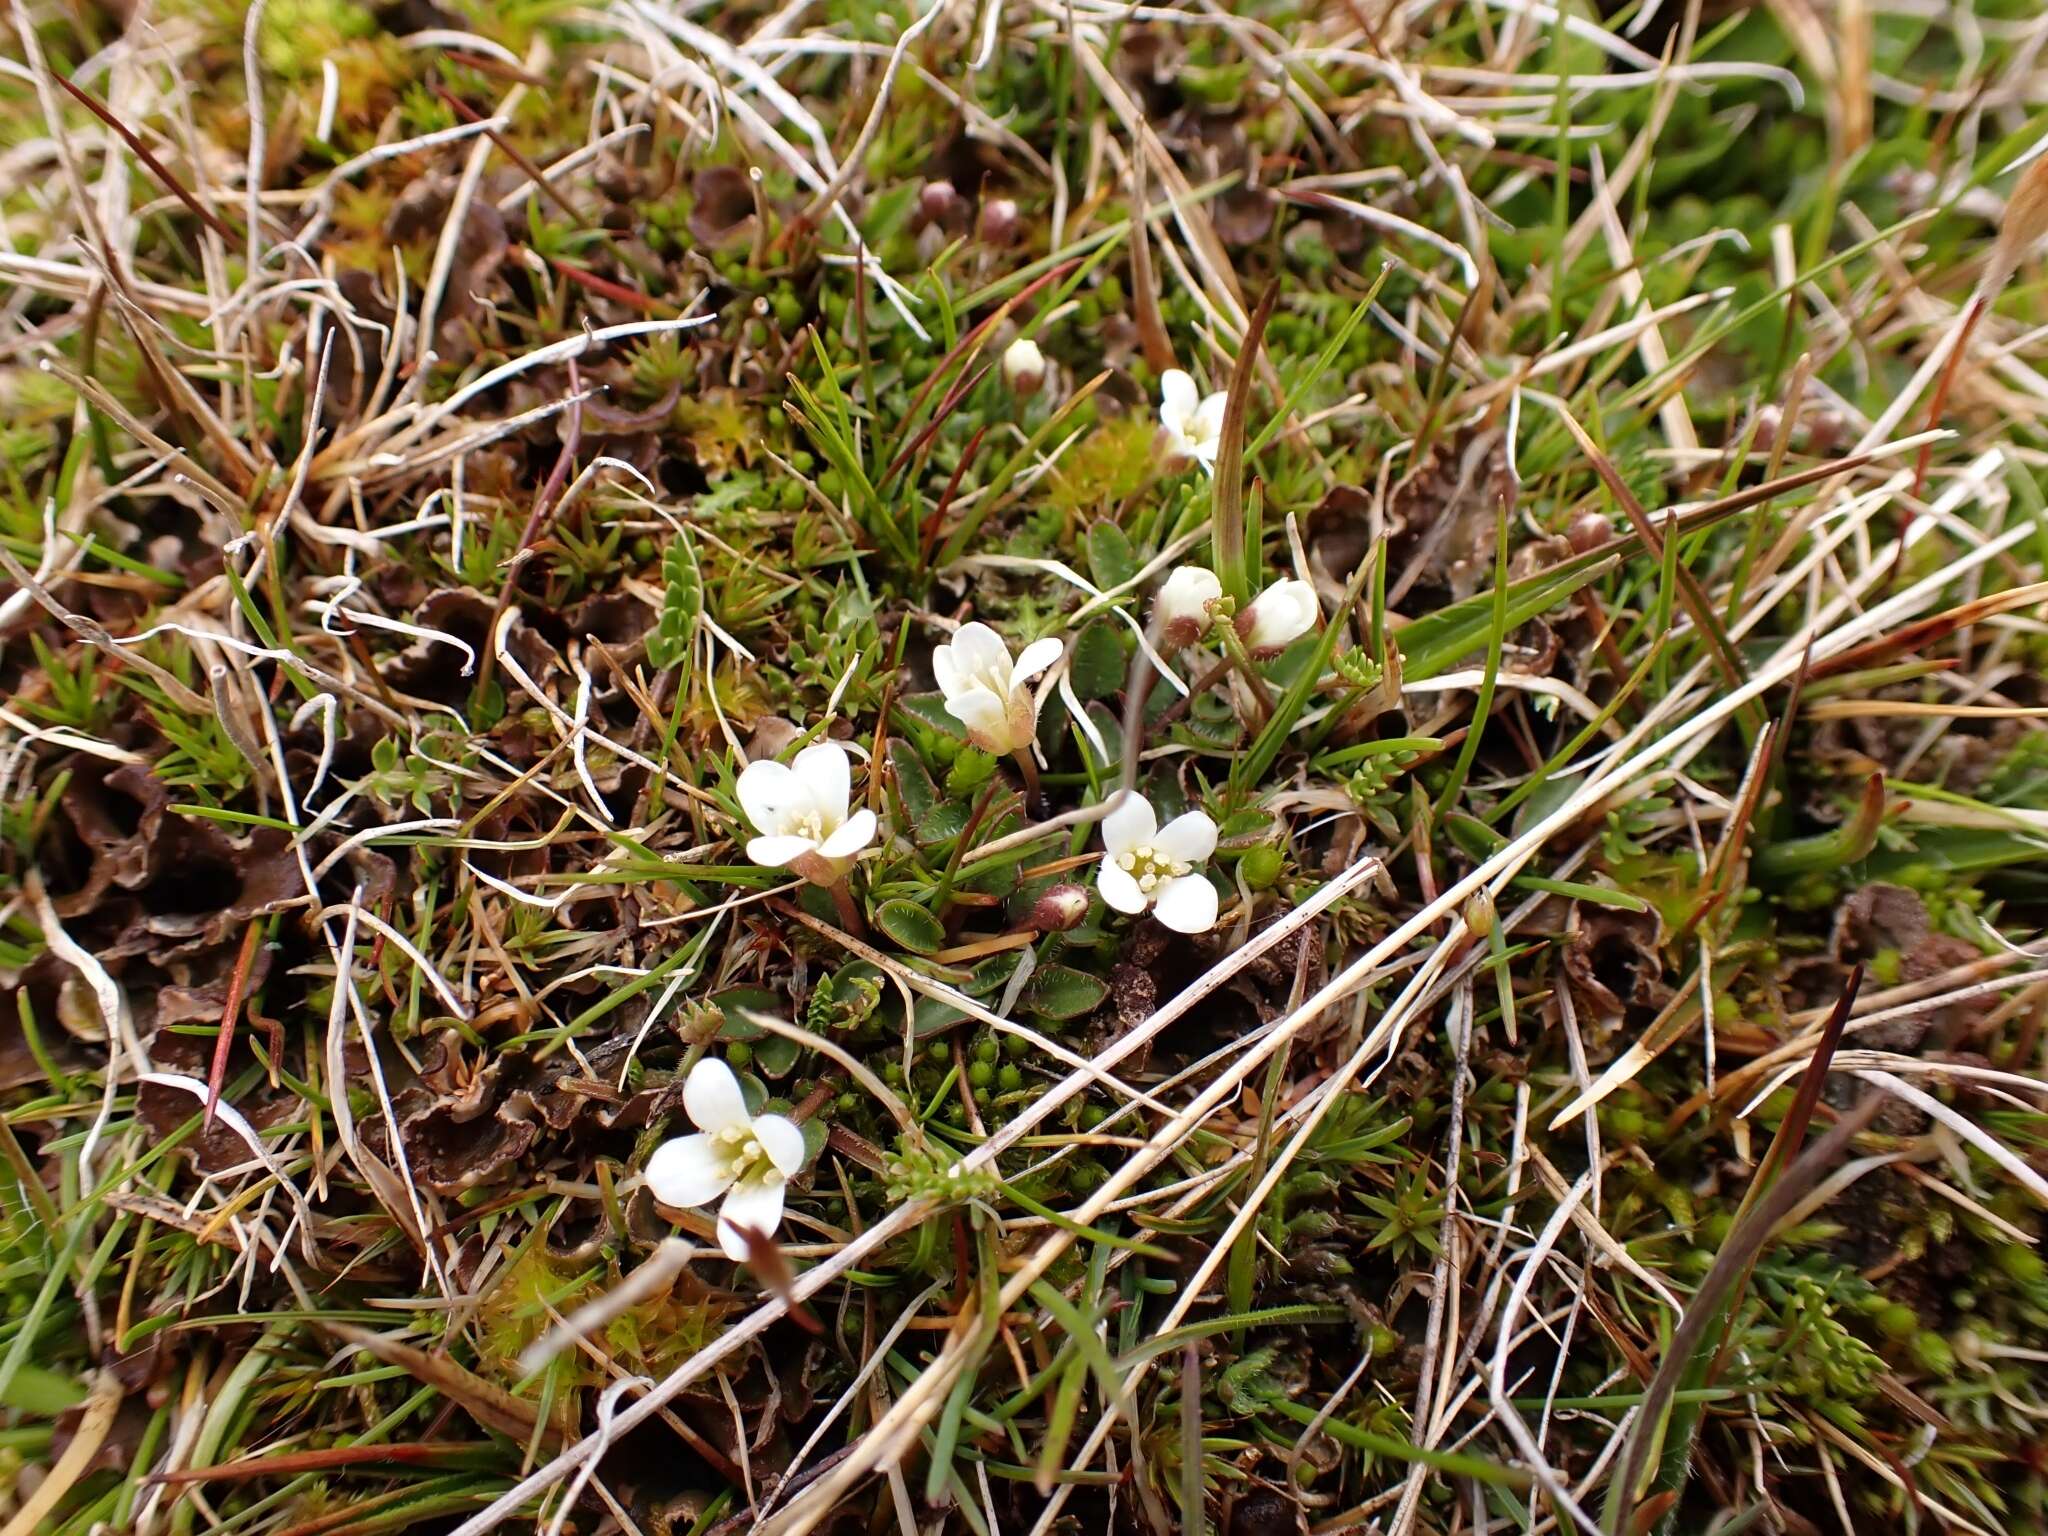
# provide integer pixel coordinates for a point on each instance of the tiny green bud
(1933, 1354)
(1261, 866)
(1898, 1321)
(2021, 1264)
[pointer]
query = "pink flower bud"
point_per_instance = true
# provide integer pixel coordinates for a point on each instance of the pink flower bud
(1059, 909)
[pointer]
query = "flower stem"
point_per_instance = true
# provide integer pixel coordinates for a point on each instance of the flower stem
(1202, 685)
(961, 844)
(849, 910)
(1262, 696)
(1034, 804)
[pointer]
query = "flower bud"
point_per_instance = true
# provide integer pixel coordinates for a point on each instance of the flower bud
(1024, 368)
(938, 203)
(1479, 913)
(1261, 866)
(999, 221)
(1589, 530)
(1185, 606)
(1280, 615)
(1059, 909)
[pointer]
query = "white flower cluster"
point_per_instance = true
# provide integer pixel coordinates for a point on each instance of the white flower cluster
(803, 818)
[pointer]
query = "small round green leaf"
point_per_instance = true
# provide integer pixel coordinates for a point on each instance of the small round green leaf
(911, 926)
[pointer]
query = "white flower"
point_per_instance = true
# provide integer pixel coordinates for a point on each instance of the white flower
(1193, 427)
(801, 813)
(1278, 616)
(1147, 865)
(1182, 609)
(986, 693)
(1024, 366)
(746, 1158)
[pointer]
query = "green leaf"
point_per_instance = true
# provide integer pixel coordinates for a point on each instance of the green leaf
(1097, 668)
(930, 709)
(971, 769)
(911, 926)
(735, 1003)
(41, 1393)
(1060, 992)
(1474, 837)
(933, 1016)
(776, 1056)
(1598, 895)
(1436, 642)
(932, 817)
(682, 601)
(1110, 556)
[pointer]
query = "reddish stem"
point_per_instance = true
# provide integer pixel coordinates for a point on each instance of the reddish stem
(224, 1042)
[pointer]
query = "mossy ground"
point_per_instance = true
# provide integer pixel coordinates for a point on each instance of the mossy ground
(442, 445)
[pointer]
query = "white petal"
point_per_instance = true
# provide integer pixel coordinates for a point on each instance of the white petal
(1035, 658)
(1207, 425)
(1187, 594)
(854, 834)
(1118, 888)
(979, 710)
(1186, 904)
(775, 852)
(771, 795)
(1177, 400)
(712, 1096)
(1189, 838)
(783, 1139)
(828, 778)
(947, 670)
(1283, 613)
(1130, 825)
(685, 1172)
(979, 652)
(756, 1204)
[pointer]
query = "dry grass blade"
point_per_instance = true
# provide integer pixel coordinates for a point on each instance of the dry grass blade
(489, 1404)
(142, 152)
(1689, 592)
(584, 592)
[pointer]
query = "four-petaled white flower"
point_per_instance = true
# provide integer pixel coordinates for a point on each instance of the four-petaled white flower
(986, 692)
(1185, 603)
(801, 813)
(746, 1158)
(1192, 424)
(1278, 616)
(1147, 865)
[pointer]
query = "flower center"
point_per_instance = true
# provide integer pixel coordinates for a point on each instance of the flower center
(1149, 867)
(809, 825)
(742, 1158)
